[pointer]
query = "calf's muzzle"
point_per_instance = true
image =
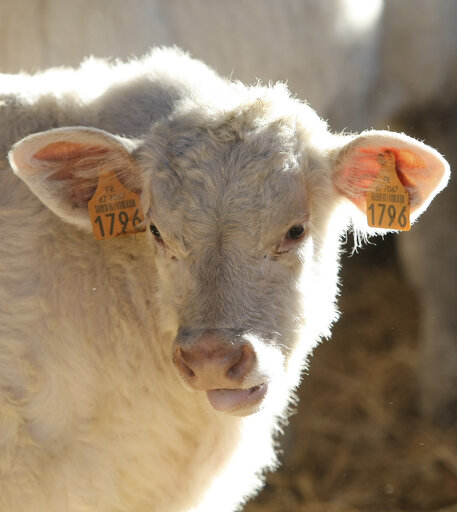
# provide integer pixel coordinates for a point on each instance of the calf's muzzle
(223, 366)
(213, 362)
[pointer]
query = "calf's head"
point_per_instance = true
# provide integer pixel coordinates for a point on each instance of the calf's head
(245, 207)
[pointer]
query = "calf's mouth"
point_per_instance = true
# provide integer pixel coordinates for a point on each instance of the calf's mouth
(240, 402)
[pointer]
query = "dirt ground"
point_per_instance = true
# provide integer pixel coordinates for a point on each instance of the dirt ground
(357, 442)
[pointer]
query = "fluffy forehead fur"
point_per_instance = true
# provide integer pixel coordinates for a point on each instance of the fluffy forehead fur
(234, 170)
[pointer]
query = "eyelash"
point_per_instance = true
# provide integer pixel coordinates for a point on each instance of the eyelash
(156, 234)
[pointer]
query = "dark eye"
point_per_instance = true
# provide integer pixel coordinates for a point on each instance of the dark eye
(155, 232)
(295, 232)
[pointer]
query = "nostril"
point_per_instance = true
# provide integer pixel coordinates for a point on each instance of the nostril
(235, 368)
(181, 365)
(189, 371)
(243, 364)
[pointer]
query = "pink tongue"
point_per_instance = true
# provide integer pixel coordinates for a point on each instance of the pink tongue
(227, 399)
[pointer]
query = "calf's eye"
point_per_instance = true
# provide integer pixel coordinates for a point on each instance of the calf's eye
(156, 232)
(295, 232)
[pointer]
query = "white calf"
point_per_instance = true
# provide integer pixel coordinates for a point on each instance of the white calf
(151, 371)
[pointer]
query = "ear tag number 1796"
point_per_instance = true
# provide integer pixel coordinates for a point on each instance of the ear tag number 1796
(388, 200)
(114, 210)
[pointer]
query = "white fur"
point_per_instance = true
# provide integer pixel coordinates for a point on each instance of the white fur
(92, 413)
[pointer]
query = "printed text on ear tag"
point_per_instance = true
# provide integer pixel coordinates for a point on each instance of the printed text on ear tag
(388, 200)
(114, 210)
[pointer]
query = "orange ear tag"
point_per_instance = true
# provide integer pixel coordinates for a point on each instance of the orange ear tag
(388, 200)
(114, 210)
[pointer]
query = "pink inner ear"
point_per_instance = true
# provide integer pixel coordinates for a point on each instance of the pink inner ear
(67, 156)
(405, 159)
(361, 168)
(420, 176)
(357, 174)
(57, 151)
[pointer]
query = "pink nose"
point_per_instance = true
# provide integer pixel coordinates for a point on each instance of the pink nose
(212, 362)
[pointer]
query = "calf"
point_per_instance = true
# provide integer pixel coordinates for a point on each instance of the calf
(151, 369)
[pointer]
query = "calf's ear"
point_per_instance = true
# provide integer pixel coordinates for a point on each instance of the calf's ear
(61, 167)
(420, 168)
